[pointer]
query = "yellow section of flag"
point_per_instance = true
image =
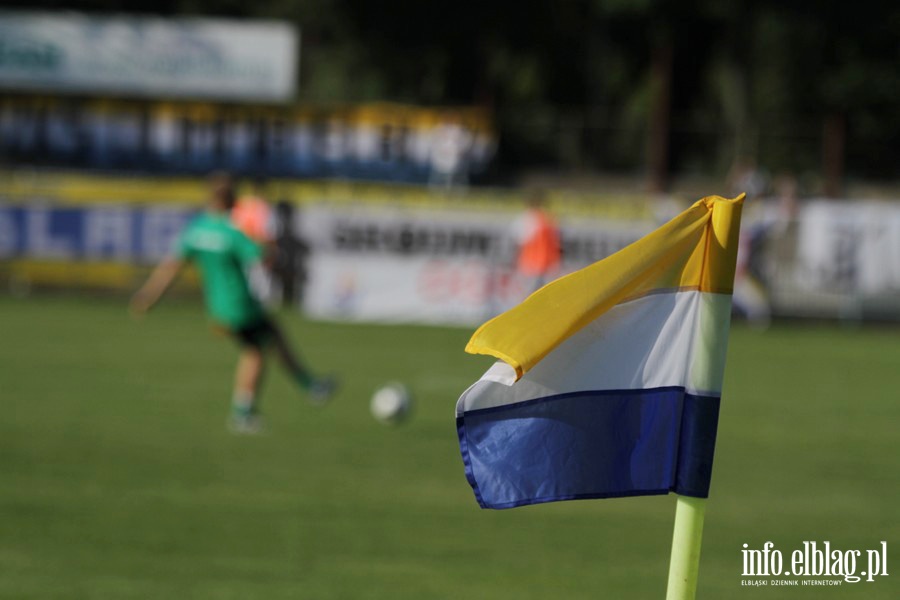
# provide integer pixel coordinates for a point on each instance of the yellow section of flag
(696, 250)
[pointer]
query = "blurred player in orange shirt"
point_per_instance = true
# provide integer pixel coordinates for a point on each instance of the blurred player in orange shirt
(537, 236)
(254, 217)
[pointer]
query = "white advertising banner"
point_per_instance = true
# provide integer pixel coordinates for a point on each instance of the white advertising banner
(445, 262)
(428, 265)
(849, 247)
(148, 57)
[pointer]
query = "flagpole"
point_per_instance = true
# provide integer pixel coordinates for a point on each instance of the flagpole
(687, 537)
(706, 373)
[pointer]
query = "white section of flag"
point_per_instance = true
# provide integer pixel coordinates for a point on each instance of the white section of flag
(650, 342)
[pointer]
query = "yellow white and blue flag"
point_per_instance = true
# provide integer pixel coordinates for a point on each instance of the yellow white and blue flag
(610, 378)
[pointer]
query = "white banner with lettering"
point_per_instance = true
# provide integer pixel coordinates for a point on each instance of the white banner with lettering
(849, 247)
(427, 265)
(420, 263)
(148, 56)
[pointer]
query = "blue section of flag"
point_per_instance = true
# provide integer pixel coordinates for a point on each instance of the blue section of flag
(594, 444)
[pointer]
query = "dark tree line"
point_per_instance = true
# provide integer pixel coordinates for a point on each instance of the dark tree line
(658, 85)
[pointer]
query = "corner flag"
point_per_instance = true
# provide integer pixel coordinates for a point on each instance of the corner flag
(609, 378)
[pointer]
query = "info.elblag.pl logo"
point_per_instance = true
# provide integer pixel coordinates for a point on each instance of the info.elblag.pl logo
(816, 563)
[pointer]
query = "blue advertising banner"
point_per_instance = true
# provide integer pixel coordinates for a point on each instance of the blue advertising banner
(117, 234)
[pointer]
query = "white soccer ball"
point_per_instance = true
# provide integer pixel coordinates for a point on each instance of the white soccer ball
(391, 403)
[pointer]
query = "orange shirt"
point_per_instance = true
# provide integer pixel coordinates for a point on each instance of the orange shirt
(539, 251)
(253, 216)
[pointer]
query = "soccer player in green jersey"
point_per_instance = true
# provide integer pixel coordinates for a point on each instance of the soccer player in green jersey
(224, 256)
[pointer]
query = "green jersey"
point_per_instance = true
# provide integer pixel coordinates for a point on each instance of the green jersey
(223, 255)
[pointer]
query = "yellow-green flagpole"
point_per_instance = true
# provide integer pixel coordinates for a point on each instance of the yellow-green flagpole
(684, 564)
(707, 373)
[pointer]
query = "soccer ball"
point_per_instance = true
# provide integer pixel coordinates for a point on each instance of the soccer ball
(391, 403)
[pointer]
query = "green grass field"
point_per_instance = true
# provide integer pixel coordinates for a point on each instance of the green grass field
(119, 480)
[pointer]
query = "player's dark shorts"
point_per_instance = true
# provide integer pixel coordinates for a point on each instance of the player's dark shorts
(256, 335)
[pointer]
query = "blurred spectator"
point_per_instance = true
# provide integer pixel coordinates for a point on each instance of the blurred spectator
(746, 177)
(449, 152)
(787, 203)
(766, 244)
(290, 264)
